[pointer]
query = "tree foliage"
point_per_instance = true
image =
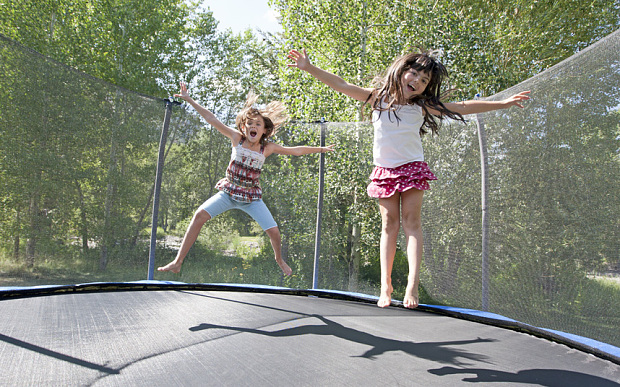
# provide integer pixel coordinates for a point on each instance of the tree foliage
(134, 44)
(487, 46)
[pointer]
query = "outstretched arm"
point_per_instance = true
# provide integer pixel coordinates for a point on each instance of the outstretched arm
(295, 150)
(302, 62)
(475, 106)
(211, 119)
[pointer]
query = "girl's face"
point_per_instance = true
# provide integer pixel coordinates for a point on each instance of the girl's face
(414, 82)
(254, 129)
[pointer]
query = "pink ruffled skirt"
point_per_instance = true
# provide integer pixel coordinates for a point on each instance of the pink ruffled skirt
(386, 181)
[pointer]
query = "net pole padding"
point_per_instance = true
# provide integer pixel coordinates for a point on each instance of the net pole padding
(484, 178)
(158, 176)
(319, 210)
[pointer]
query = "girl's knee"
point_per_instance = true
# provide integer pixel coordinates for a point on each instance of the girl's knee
(273, 232)
(412, 223)
(390, 222)
(201, 216)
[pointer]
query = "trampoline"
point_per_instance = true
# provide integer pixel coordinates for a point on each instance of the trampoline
(537, 261)
(164, 334)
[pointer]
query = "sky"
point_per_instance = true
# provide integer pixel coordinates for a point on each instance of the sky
(238, 15)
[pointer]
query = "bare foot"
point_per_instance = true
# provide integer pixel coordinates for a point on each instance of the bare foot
(285, 268)
(385, 298)
(172, 266)
(411, 300)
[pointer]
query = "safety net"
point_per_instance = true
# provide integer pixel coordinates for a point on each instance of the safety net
(523, 220)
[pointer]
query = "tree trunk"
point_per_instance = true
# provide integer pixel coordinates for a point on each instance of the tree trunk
(83, 225)
(109, 198)
(17, 234)
(31, 243)
(136, 234)
(354, 262)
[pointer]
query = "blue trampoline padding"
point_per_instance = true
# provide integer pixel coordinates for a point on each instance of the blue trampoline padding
(6, 289)
(472, 312)
(604, 347)
(595, 347)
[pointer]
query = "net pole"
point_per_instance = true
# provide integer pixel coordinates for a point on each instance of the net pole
(158, 176)
(319, 211)
(484, 176)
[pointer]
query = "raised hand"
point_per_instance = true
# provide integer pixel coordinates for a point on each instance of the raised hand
(301, 59)
(184, 93)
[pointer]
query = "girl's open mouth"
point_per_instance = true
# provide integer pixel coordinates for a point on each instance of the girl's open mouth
(253, 133)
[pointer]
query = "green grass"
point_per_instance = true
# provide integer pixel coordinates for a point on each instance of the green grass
(611, 282)
(74, 267)
(203, 264)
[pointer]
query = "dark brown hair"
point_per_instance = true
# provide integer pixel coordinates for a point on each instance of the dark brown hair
(389, 89)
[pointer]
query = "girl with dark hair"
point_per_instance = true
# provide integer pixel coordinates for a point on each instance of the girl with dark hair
(405, 103)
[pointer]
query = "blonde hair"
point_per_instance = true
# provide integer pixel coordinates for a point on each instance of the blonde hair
(274, 115)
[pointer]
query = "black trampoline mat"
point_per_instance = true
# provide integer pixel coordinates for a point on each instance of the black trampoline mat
(215, 338)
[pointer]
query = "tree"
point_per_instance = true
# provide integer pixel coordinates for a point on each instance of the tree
(133, 44)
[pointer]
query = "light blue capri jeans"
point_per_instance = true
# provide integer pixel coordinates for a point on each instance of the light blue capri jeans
(222, 202)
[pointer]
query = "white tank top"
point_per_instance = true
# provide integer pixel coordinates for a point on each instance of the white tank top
(398, 142)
